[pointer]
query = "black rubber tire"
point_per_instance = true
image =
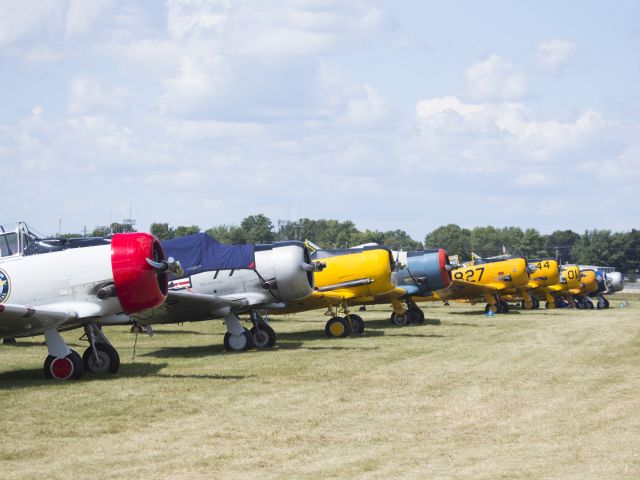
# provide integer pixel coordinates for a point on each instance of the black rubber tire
(416, 315)
(495, 308)
(503, 307)
(400, 319)
(536, 303)
(357, 323)
(77, 367)
(108, 355)
(337, 327)
(265, 337)
(8, 341)
(230, 344)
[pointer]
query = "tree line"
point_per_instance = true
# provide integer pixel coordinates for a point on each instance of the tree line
(595, 247)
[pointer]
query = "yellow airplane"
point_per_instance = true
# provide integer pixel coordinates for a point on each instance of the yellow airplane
(487, 280)
(546, 274)
(567, 286)
(352, 276)
(588, 284)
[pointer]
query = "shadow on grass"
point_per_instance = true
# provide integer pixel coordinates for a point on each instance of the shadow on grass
(387, 325)
(417, 335)
(480, 313)
(203, 377)
(34, 377)
(471, 325)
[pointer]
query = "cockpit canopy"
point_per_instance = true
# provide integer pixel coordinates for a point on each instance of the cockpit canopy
(18, 239)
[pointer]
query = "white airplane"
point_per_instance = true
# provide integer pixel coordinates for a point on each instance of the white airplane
(222, 281)
(52, 285)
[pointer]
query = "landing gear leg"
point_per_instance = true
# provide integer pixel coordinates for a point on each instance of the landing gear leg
(416, 314)
(237, 338)
(100, 357)
(400, 316)
(62, 363)
(262, 334)
(492, 304)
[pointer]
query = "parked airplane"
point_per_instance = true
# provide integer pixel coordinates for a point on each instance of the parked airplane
(48, 285)
(543, 274)
(485, 279)
(609, 282)
(353, 276)
(223, 281)
(419, 273)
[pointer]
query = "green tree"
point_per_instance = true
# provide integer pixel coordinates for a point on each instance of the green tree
(454, 239)
(161, 230)
(257, 229)
(182, 230)
(559, 245)
(532, 244)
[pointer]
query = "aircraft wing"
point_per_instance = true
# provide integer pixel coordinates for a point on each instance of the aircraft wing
(18, 320)
(469, 289)
(185, 306)
(319, 299)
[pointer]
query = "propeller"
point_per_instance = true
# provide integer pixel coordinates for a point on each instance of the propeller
(169, 265)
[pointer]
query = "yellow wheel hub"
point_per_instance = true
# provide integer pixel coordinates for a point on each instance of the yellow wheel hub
(336, 329)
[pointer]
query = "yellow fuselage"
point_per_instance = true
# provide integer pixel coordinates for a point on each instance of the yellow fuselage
(491, 276)
(373, 265)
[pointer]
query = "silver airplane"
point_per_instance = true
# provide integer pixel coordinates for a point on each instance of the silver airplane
(270, 276)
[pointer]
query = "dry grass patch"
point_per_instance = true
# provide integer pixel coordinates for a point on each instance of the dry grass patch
(529, 395)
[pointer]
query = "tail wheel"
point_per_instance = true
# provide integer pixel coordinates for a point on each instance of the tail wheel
(108, 359)
(417, 315)
(265, 337)
(357, 323)
(238, 343)
(64, 368)
(337, 327)
(400, 319)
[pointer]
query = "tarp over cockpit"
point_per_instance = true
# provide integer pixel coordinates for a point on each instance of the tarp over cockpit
(201, 253)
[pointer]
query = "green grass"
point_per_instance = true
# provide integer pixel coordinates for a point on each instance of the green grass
(543, 394)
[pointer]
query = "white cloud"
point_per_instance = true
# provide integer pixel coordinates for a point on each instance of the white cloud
(555, 54)
(495, 79)
(533, 179)
(19, 19)
(87, 95)
(82, 15)
(504, 137)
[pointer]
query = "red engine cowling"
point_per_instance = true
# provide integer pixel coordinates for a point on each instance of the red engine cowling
(138, 285)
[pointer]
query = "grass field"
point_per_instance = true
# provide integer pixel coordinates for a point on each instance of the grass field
(543, 394)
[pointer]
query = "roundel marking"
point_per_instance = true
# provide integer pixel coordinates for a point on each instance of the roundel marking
(5, 286)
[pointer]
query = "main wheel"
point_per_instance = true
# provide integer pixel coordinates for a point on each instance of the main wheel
(527, 305)
(64, 368)
(400, 319)
(8, 341)
(550, 305)
(536, 303)
(417, 315)
(337, 327)
(264, 337)
(588, 304)
(503, 307)
(357, 323)
(108, 359)
(238, 343)
(493, 308)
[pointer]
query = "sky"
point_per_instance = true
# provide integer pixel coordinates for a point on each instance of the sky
(393, 114)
